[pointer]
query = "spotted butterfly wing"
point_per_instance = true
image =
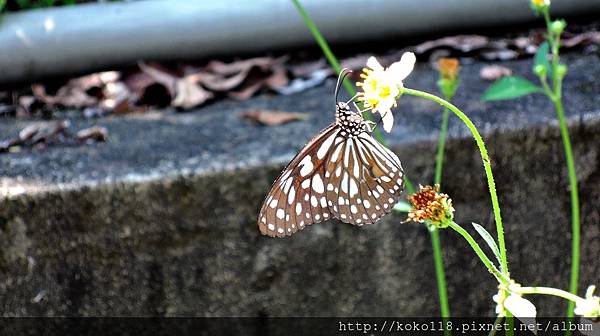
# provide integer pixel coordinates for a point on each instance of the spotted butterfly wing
(342, 173)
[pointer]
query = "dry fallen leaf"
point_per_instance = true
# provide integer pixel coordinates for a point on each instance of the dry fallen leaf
(185, 91)
(228, 69)
(463, 43)
(189, 94)
(273, 118)
(247, 91)
(41, 135)
(584, 38)
(94, 133)
(494, 72)
(300, 84)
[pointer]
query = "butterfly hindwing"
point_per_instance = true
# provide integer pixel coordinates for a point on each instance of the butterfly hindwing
(297, 197)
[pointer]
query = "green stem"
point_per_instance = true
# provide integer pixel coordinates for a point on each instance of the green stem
(434, 234)
(439, 159)
(556, 97)
(487, 166)
(548, 291)
(575, 221)
(498, 320)
(335, 64)
(486, 261)
(439, 272)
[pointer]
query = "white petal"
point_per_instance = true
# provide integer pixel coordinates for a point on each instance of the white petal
(374, 64)
(521, 308)
(388, 120)
(404, 67)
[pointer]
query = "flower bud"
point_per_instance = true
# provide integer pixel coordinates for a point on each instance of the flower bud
(561, 70)
(558, 26)
(540, 70)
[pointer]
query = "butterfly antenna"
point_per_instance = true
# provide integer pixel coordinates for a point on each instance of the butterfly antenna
(343, 74)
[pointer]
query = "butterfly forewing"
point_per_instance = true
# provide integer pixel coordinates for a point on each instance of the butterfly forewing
(297, 197)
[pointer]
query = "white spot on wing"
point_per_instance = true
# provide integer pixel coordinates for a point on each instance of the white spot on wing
(305, 184)
(280, 214)
(313, 201)
(307, 166)
(325, 146)
(353, 188)
(291, 195)
(317, 184)
(345, 182)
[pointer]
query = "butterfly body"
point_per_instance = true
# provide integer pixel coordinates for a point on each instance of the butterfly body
(342, 173)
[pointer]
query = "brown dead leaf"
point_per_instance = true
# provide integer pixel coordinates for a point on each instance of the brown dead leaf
(463, 43)
(228, 69)
(246, 92)
(494, 72)
(160, 76)
(278, 79)
(185, 91)
(273, 118)
(215, 82)
(584, 38)
(28, 132)
(189, 94)
(26, 106)
(94, 133)
(305, 69)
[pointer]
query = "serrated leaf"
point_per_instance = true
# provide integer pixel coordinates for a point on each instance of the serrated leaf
(509, 88)
(489, 240)
(402, 206)
(541, 57)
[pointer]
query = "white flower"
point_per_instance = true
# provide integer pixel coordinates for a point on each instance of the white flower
(590, 307)
(518, 306)
(381, 86)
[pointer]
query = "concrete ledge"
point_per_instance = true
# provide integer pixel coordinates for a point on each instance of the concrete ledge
(161, 220)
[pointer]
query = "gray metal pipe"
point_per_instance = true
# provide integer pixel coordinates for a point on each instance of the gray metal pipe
(65, 40)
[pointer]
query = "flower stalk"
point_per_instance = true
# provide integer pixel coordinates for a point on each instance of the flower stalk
(554, 93)
(486, 163)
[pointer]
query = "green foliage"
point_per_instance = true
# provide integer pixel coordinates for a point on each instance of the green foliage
(488, 239)
(509, 88)
(2, 4)
(448, 87)
(541, 60)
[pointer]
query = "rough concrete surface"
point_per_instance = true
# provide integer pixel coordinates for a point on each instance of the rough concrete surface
(161, 219)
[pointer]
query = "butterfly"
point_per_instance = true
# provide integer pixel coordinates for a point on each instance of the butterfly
(342, 173)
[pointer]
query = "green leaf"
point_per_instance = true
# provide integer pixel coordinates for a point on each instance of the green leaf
(509, 88)
(541, 58)
(489, 240)
(402, 206)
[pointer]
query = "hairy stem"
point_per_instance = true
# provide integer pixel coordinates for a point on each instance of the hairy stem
(487, 166)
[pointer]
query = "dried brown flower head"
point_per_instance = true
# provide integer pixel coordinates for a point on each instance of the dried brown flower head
(430, 206)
